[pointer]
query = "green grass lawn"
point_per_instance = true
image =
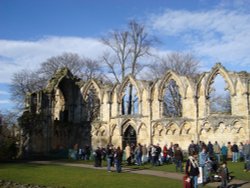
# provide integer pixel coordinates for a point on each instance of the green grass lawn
(62, 176)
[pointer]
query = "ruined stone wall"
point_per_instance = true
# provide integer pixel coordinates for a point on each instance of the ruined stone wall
(150, 125)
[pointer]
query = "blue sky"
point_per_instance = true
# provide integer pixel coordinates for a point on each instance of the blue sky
(31, 31)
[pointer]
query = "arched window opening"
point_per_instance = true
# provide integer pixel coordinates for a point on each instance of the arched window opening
(92, 104)
(129, 137)
(130, 101)
(219, 96)
(172, 101)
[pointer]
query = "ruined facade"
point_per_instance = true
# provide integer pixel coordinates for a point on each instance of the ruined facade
(94, 113)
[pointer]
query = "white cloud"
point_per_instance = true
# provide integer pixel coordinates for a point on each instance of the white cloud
(5, 102)
(4, 93)
(218, 35)
(18, 55)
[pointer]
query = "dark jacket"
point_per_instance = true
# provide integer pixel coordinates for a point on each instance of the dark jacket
(191, 170)
(178, 155)
(235, 148)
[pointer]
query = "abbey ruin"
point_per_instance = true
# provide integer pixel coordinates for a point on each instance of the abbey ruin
(71, 111)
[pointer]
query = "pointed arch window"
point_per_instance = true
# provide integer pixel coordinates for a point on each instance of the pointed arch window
(172, 100)
(219, 96)
(92, 104)
(130, 100)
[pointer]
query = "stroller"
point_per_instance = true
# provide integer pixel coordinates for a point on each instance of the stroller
(213, 167)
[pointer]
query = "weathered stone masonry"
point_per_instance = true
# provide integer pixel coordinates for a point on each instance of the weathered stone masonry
(66, 122)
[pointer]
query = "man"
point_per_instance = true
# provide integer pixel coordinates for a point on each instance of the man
(191, 147)
(203, 163)
(217, 151)
(110, 156)
(235, 151)
(178, 158)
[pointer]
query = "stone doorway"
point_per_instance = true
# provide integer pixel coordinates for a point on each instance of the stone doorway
(129, 136)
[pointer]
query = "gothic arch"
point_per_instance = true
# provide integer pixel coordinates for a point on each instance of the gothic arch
(185, 128)
(114, 94)
(129, 79)
(172, 129)
(142, 129)
(238, 126)
(88, 85)
(157, 129)
(153, 88)
(126, 123)
(99, 130)
(219, 69)
(240, 86)
(114, 130)
(170, 75)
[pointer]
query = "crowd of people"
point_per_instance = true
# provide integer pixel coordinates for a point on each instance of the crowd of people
(201, 159)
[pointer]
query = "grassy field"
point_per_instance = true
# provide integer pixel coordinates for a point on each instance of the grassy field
(69, 177)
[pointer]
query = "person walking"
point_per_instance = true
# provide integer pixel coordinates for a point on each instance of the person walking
(118, 159)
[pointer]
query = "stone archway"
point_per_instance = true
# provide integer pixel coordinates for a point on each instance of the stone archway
(129, 136)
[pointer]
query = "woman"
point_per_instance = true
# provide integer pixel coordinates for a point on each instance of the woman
(192, 169)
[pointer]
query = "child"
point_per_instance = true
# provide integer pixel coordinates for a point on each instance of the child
(223, 173)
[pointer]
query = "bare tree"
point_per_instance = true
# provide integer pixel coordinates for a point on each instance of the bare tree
(8, 117)
(181, 63)
(51, 65)
(24, 82)
(82, 67)
(91, 69)
(128, 47)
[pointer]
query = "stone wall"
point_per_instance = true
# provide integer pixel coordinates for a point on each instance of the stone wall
(150, 125)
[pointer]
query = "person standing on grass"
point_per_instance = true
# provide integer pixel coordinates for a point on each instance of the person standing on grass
(138, 154)
(204, 161)
(128, 154)
(178, 158)
(229, 151)
(165, 153)
(217, 151)
(144, 153)
(110, 157)
(241, 145)
(224, 152)
(192, 169)
(235, 151)
(118, 159)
